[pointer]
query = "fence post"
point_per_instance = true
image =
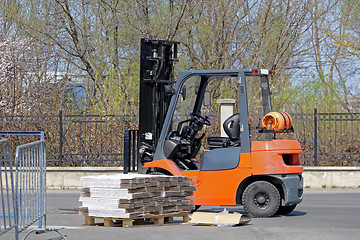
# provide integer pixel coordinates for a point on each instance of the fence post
(61, 138)
(315, 137)
(138, 165)
(133, 150)
(126, 151)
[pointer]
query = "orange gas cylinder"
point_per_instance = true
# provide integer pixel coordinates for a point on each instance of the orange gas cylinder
(277, 121)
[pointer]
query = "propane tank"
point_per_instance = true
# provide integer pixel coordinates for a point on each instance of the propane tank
(277, 121)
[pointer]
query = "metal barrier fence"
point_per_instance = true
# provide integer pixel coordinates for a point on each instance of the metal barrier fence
(24, 193)
(23, 187)
(7, 182)
(30, 187)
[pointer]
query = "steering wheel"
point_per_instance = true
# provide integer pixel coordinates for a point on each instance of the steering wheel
(203, 120)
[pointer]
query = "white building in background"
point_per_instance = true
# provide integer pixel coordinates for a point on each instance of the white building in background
(74, 84)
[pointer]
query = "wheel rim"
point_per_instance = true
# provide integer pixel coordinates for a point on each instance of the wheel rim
(261, 200)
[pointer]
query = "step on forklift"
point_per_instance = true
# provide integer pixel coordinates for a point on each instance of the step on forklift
(252, 163)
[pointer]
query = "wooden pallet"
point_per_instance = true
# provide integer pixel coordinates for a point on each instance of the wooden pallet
(129, 222)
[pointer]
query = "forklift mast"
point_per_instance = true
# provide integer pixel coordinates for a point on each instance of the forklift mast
(156, 87)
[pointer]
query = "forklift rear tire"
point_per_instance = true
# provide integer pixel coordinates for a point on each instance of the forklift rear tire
(284, 210)
(261, 199)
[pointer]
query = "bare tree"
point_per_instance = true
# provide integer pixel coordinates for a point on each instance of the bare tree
(307, 43)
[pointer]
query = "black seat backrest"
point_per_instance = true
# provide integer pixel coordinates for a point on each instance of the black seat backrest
(232, 126)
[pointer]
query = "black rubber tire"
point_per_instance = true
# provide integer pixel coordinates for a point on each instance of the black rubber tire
(284, 210)
(261, 199)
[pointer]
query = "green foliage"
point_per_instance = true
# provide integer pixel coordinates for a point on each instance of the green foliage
(100, 40)
(304, 94)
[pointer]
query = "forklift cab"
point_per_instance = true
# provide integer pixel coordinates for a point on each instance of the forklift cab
(190, 133)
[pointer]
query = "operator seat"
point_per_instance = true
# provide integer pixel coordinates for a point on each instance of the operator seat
(232, 128)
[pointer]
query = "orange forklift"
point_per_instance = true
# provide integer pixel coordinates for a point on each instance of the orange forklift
(247, 165)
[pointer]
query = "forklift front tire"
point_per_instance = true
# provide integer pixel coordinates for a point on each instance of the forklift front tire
(261, 199)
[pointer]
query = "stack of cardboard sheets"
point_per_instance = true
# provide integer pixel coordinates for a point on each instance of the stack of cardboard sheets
(135, 195)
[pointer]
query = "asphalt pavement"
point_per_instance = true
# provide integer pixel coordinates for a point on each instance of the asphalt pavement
(323, 214)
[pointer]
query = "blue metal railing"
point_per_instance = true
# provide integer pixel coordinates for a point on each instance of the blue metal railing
(8, 219)
(23, 192)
